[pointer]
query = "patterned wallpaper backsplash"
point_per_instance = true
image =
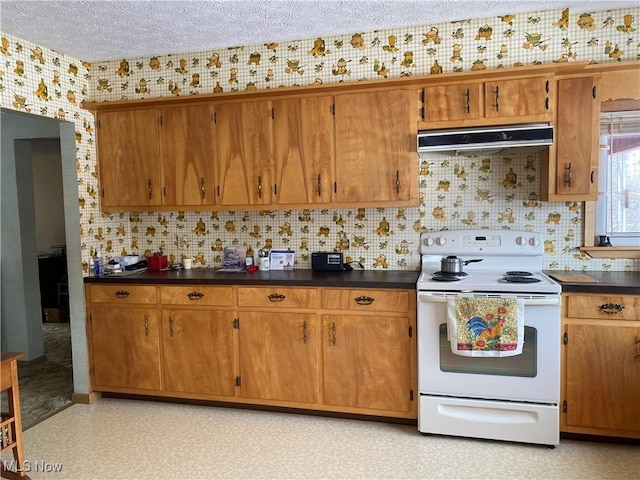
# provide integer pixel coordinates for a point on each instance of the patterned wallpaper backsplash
(484, 192)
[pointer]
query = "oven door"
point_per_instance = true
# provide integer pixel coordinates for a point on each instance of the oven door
(533, 376)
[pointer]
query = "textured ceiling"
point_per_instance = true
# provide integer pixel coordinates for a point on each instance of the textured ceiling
(109, 29)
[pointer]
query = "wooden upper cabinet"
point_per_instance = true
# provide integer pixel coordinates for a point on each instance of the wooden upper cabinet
(488, 103)
(452, 102)
(577, 138)
(518, 98)
(375, 148)
(304, 150)
(244, 162)
(569, 168)
(128, 155)
(186, 148)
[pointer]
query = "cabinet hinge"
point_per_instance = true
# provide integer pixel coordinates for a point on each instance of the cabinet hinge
(565, 338)
(236, 324)
(333, 108)
(91, 318)
(410, 331)
(411, 395)
(93, 371)
(161, 121)
(335, 187)
(238, 381)
(273, 113)
(215, 117)
(564, 406)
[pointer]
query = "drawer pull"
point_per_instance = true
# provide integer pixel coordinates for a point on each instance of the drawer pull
(146, 325)
(171, 327)
(195, 295)
(122, 294)
(304, 332)
(276, 297)
(332, 340)
(611, 308)
(364, 300)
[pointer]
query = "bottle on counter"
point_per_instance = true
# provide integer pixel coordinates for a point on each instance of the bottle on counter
(97, 266)
(92, 267)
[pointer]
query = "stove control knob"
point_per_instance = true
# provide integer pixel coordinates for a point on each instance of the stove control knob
(521, 241)
(534, 241)
(441, 241)
(427, 242)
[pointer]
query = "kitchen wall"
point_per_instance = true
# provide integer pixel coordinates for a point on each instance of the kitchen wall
(483, 192)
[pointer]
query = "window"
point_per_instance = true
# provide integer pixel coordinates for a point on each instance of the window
(618, 205)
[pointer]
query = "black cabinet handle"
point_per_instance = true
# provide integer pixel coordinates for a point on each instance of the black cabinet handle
(122, 294)
(611, 308)
(195, 295)
(364, 300)
(276, 297)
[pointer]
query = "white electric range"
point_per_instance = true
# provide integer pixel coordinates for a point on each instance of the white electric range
(511, 398)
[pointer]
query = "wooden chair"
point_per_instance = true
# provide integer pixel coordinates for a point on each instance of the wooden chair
(11, 424)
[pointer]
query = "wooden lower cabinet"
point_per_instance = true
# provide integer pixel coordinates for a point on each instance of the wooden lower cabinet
(366, 362)
(198, 351)
(328, 349)
(278, 356)
(125, 348)
(601, 360)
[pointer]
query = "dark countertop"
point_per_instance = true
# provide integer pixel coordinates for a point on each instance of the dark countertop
(627, 283)
(398, 279)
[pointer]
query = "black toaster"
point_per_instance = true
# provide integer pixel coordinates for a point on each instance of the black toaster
(327, 262)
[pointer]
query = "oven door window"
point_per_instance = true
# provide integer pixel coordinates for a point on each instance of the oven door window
(523, 365)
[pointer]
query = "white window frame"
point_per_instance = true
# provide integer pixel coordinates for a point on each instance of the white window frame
(613, 124)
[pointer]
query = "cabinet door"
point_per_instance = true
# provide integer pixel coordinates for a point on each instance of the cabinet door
(452, 102)
(304, 150)
(603, 378)
(129, 158)
(278, 356)
(366, 362)
(516, 98)
(125, 348)
(198, 351)
(375, 147)
(186, 147)
(244, 153)
(577, 138)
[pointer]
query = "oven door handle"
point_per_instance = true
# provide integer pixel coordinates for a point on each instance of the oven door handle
(527, 301)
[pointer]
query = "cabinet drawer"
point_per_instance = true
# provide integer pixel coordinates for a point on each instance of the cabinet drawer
(614, 307)
(365, 300)
(123, 294)
(197, 295)
(278, 297)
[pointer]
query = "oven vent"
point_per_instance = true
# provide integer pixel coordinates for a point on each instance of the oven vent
(527, 138)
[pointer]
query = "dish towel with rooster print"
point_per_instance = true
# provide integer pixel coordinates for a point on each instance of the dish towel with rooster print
(485, 327)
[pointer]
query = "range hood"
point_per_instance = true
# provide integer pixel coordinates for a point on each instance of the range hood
(527, 138)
